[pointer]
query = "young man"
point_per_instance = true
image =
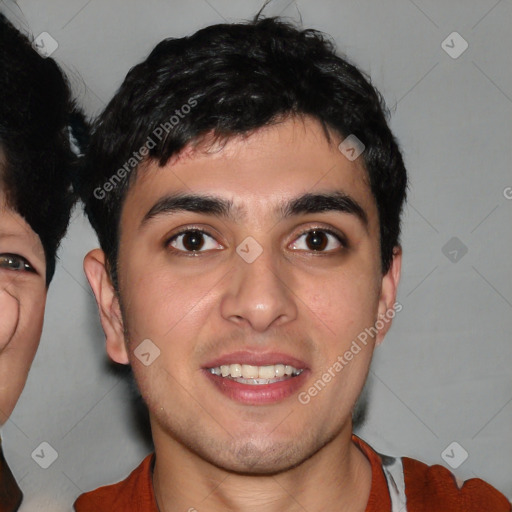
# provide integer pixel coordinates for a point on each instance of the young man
(246, 191)
(35, 204)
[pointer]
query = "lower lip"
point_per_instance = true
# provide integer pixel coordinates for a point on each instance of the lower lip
(257, 394)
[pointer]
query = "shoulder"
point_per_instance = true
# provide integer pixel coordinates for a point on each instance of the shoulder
(135, 493)
(435, 488)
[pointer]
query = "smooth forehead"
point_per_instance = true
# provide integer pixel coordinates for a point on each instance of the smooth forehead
(289, 137)
(257, 171)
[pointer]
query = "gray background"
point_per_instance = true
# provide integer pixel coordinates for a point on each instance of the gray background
(443, 373)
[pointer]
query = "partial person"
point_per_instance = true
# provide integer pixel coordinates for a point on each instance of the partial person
(247, 191)
(38, 154)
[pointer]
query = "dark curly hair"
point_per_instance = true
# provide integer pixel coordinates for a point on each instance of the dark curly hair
(231, 79)
(36, 111)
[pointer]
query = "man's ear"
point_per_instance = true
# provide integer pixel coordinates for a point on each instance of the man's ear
(387, 302)
(108, 305)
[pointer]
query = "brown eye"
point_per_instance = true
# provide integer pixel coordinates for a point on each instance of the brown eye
(193, 240)
(318, 240)
(15, 262)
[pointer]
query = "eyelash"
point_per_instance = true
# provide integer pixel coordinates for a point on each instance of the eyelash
(27, 267)
(339, 237)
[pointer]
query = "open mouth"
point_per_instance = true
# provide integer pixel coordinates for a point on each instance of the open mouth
(256, 375)
(252, 378)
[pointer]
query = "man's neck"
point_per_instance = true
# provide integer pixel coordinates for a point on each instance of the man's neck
(338, 473)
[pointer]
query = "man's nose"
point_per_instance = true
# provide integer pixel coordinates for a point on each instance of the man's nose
(260, 291)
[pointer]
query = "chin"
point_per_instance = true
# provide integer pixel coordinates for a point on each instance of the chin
(257, 457)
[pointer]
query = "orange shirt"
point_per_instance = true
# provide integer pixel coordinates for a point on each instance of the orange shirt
(427, 489)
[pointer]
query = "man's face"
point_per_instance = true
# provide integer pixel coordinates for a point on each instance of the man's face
(22, 303)
(281, 282)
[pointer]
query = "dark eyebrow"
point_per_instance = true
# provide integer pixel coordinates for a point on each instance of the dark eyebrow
(219, 207)
(190, 203)
(329, 202)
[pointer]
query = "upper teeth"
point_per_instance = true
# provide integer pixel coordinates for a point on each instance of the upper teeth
(248, 371)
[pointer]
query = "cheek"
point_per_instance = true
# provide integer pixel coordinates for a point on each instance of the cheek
(344, 309)
(164, 305)
(17, 356)
(344, 304)
(31, 321)
(27, 334)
